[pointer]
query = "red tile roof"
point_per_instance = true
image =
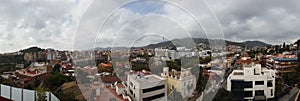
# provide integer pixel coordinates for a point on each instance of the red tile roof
(109, 79)
(120, 85)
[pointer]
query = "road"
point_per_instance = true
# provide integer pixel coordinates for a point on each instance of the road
(290, 96)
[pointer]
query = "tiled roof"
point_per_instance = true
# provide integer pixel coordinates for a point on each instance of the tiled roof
(109, 79)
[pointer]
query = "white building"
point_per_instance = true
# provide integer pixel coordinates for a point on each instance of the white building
(146, 88)
(254, 83)
(160, 52)
(173, 54)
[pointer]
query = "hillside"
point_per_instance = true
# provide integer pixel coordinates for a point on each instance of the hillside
(205, 41)
(187, 42)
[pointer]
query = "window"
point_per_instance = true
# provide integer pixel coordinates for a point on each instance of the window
(270, 84)
(259, 93)
(131, 84)
(248, 84)
(271, 92)
(154, 97)
(131, 92)
(237, 89)
(259, 82)
(237, 85)
(248, 94)
(153, 88)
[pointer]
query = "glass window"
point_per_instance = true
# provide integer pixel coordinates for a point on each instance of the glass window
(259, 93)
(270, 84)
(259, 82)
(248, 84)
(248, 93)
(271, 92)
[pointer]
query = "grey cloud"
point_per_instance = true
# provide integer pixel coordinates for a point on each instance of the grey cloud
(270, 21)
(53, 23)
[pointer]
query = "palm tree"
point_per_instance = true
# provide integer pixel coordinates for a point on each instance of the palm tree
(40, 94)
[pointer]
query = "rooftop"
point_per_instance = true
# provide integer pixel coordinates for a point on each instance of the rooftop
(32, 71)
(120, 85)
(286, 59)
(238, 73)
(147, 78)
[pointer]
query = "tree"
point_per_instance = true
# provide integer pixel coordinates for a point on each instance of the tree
(56, 68)
(4, 81)
(41, 94)
(278, 88)
(63, 96)
(201, 82)
(36, 83)
(204, 60)
(223, 95)
(82, 76)
(56, 80)
(29, 87)
(173, 65)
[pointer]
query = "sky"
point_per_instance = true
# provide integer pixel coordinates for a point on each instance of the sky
(84, 24)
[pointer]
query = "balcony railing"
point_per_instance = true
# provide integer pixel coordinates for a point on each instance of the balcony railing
(19, 94)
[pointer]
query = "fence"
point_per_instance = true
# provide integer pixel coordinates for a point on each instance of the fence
(19, 94)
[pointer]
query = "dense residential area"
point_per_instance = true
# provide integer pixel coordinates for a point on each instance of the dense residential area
(201, 72)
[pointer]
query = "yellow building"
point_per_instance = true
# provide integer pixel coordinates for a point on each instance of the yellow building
(183, 81)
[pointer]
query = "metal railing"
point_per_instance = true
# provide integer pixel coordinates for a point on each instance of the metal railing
(19, 94)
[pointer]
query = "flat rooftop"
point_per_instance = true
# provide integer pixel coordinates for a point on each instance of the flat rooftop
(238, 73)
(147, 78)
(33, 71)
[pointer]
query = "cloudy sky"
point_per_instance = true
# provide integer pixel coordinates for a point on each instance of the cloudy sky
(83, 24)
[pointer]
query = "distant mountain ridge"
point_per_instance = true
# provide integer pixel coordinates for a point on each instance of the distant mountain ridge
(255, 43)
(206, 41)
(196, 41)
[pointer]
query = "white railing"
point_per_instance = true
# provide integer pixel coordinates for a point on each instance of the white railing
(19, 94)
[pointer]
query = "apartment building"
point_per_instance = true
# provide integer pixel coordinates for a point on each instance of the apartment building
(252, 83)
(146, 87)
(282, 63)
